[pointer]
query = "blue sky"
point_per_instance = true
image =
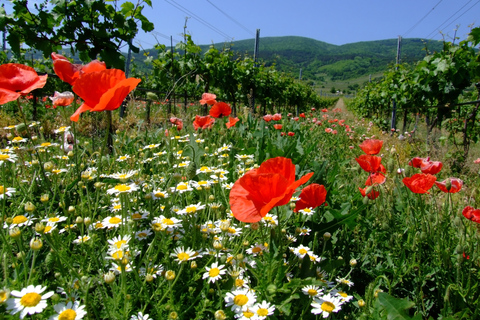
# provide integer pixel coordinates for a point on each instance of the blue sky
(336, 22)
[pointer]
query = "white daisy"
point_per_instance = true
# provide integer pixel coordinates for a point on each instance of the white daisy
(28, 301)
(264, 309)
(301, 251)
(142, 234)
(118, 241)
(70, 311)
(182, 187)
(182, 255)
(112, 221)
(123, 158)
(312, 291)
(140, 316)
(345, 281)
(54, 219)
(81, 239)
(123, 188)
(7, 157)
(214, 272)
(240, 300)
(6, 192)
(159, 194)
(326, 305)
(20, 221)
(192, 209)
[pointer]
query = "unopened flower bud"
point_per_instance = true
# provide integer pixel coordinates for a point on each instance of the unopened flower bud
(15, 233)
(361, 303)
(70, 154)
(327, 236)
(39, 227)
(149, 277)
(170, 275)
(36, 244)
(29, 207)
(220, 315)
(109, 277)
(353, 263)
(79, 220)
(448, 184)
(48, 166)
(71, 209)
(44, 198)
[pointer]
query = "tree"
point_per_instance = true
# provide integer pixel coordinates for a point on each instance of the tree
(90, 28)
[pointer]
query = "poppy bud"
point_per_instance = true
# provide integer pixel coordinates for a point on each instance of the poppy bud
(21, 127)
(448, 184)
(366, 200)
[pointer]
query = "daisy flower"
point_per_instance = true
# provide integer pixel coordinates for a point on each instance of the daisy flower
(123, 188)
(18, 140)
(117, 269)
(182, 187)
(241, 281)
(270, 220)
(123, 176)
(227, 186)
(28, 301)
(301, 251)
(123, 158)
(326, 305)
(307, 211)
(240, 300)
(151, 146)
(49, 228)
(159, 194)
(20, 221)
(225, 147)
(305, 231)
(7, 157)
(70, 311)
(214, 273)
(140, 316)
(182, 164)
(118, 241)
(81, 239)
(61, 129)
(202, 184)
(153, 271)
(163, 223)
(6, 192)
(192, 209)
(205, 169)
(112, 221)
(46, 145)
(312, 291)
(139, 215)
(257, 249)
(344, 297)
(345, 281)
(182, 255)
(264, 309)
(54, 219)
(142, 234)
(244, 157)
(246, 315)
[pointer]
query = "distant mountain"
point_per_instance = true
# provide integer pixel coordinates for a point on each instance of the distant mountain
(318, 59)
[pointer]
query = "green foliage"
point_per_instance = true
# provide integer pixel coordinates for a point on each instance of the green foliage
(89, 28)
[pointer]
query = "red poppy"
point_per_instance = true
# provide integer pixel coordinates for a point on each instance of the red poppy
(267, 117)
(295, 118)
(302, 115)
(62, 99)
(471, 214)
(208, 98)
(177, 122)
(259, 190)
(418, 162)
(312, 196)
(371, 146)
(375, 178)
(455, 185)
(203, 122)
(291, 134)
(220, 109)
(370, 163)
(324, 110)
(419, 182)
(18, 80)
(328, 130)
(277, 117)
(102, 90)
(431, 167)
(231, 122)
(278, 126)
(371, 195)
(69, 72)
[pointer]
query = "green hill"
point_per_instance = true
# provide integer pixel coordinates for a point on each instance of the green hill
(319, 59)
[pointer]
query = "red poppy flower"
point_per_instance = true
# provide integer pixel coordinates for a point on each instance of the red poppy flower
(277, 117)
(419, 182)
(102, 90)
(203, 122)
(259, 190)
(375, 178)
(324, 110)
(177, 122)
(231, 122)
(295, 118)
(220, 109)
(370, 163)
(371, 146)
(278, 126)
(302, 115)
(291, 134)
(208, 98)
(267, 117)
(455, 185)
(431, 167)
(371, 195)
(328, 130)
(18, 80)
(69, 72)
(62, 99)
(418, 162)
(471, 214)
(312, 196)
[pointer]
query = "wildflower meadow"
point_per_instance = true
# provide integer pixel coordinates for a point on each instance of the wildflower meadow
(224, 214)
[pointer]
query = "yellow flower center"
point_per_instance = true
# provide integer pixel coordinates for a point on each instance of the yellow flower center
(115, 220)
(19, 219)
(248, 314)
(182, 256)
(2, 189)
(119, 243)
(142, 235)
(302, 251)
(327, 306)
(240, 300)
(122, 176)
(136, 216)
(30, 299)
(160, 194)
(343, 294)
(98, 225)
(68, 314)
(212, 273)
(256, 250)
(191, 209)
(182, 187)
(16, 139)
(231, 230)
(117, 255)
(117, 207)
(47, 229)
(4, 157)
(239, 282)
(168, 221)
(312, 292)
(45, 144)
(3, 296)
(122, 188)
(262, 312)
(54, 219)
(61, 129)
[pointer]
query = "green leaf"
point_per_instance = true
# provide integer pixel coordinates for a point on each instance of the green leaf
(395, 308)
